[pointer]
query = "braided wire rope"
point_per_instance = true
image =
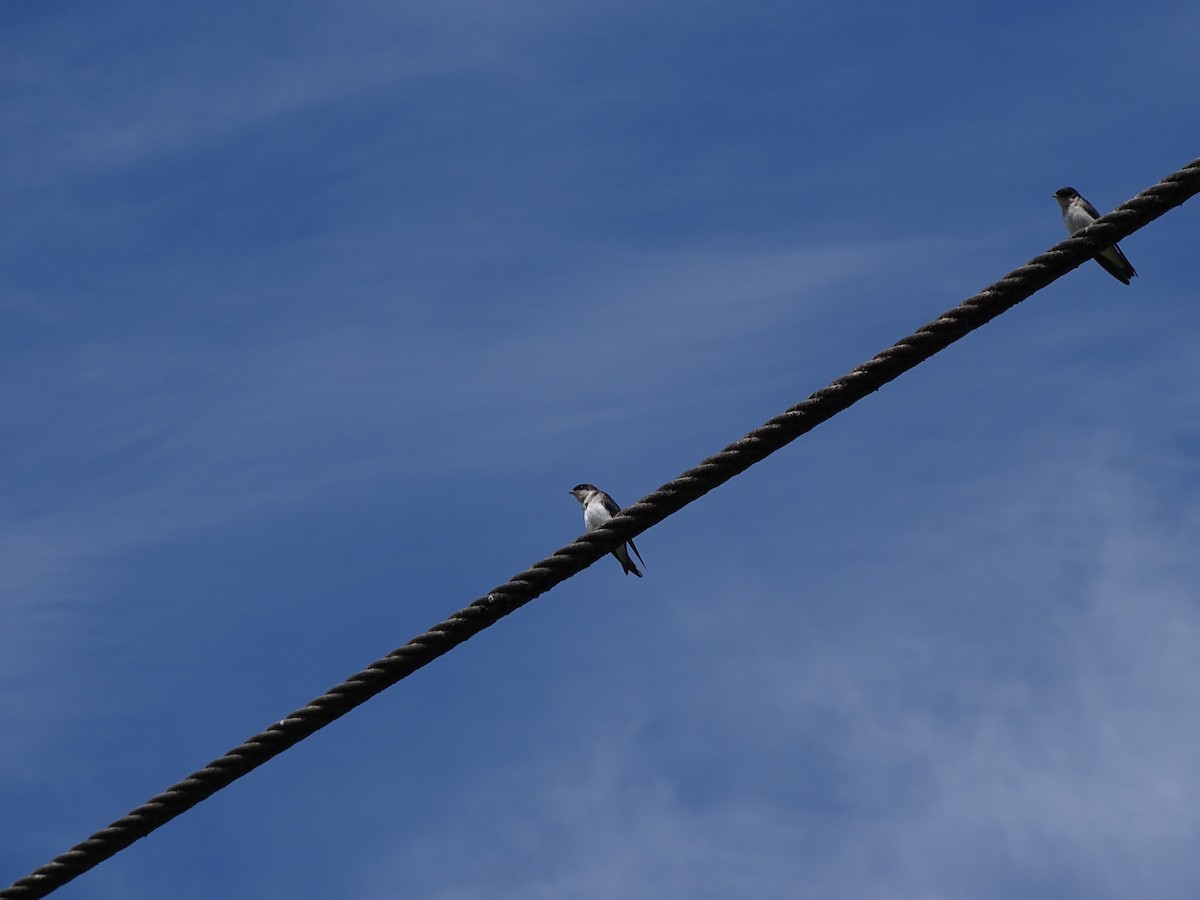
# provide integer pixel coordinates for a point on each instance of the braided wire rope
(539, 578)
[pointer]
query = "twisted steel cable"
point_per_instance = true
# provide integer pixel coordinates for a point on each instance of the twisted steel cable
(760, 443)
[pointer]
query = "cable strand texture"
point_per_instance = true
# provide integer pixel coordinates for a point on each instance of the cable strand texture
(566, 562)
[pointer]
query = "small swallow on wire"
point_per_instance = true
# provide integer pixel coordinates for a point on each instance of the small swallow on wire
(598, 508)
(1078, 214)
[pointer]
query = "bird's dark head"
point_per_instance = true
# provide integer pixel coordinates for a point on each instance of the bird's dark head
(581, 491)
(1065, 195)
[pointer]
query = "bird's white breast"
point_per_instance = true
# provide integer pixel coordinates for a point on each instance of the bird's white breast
(1076, 218)
(595, 515)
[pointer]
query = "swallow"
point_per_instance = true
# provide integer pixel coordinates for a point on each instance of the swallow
(1078, 214)
(598, 508)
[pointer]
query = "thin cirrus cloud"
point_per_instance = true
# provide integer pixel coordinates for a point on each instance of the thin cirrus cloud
(952, 771)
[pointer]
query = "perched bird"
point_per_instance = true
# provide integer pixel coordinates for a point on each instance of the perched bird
(598, 508)
(1078, 214)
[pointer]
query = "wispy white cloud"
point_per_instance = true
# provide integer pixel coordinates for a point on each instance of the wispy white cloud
(1023, 728)
(154, 98)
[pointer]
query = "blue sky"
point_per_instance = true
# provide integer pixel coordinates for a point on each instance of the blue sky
(313, 314)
